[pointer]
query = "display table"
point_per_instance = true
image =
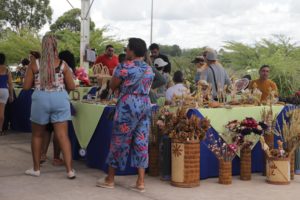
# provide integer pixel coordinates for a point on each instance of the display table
(92, 128)
(97, 144)
(19, 111)
(219, 117)
(82, 91)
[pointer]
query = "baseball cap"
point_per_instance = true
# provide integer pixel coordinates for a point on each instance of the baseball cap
(159, 62)
(211, 55)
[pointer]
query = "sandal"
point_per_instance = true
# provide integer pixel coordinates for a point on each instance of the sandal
(136, 188)
(104, 184)
(57, 162)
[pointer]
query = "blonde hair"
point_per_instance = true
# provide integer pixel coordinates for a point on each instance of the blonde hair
(47, 67)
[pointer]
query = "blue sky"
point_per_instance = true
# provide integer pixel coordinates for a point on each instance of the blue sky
(193, 23)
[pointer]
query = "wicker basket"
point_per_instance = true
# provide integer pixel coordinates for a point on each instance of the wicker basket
(292, 164)
(278, 171)
(153, 160)
(245, 173)
(225, 172)
(185, 164)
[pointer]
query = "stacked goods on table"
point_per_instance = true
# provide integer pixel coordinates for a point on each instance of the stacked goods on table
(101, 78)
(202, 97)
(186, 134)
(280, 161)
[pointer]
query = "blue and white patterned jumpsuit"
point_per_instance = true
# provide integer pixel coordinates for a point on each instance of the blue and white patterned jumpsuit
(132, 118)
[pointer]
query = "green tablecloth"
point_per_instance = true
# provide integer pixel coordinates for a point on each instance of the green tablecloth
(18, 91)
(219, 117)
(86, 120)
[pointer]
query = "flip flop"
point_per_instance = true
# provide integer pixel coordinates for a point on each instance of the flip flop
(136, 188)
(103, 184)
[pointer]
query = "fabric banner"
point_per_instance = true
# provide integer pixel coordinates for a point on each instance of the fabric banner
(86, 120)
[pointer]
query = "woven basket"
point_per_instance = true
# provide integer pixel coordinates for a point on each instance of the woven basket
(245, 173)
(185, 164)
(225, 172)
(153, 160)
(278, 171)
(292, 164)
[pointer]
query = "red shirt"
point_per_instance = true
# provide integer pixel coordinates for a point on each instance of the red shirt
(111, 63)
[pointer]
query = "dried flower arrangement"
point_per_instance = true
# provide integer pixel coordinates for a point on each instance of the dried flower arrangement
(268, 120)
(220, 148)
(289, 136)
(244, 133)
(182, 128)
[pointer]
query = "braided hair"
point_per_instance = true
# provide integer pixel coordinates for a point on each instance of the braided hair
(47, 67)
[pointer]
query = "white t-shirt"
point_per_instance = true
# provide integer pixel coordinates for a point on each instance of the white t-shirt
(177, 89)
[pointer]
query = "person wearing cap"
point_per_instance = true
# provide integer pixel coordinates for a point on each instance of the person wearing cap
(154, 49)
(264, 83)
(177, 89)
(200, 67)
(215, 74)
(159, 64)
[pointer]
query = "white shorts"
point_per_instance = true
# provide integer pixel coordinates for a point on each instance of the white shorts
(4, 94)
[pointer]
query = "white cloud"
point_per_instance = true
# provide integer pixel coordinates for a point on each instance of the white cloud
(194, 23)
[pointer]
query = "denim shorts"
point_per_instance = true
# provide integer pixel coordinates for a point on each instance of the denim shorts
(50, 107)
(4, 94)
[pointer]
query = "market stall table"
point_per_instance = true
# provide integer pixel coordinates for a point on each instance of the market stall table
(19, 110)
(92, 128)
(96, 136)
(219, 117)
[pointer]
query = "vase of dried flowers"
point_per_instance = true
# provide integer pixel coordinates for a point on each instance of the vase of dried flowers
(185, 164)
(154, 146)
(164, 122)
(292, 165)
(186, 135)
(225, 153)
(225, 171)
(245, 164)
(153, 160)
(278, 170)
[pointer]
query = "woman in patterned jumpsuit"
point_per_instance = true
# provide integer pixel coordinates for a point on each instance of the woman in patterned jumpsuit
(133, 112)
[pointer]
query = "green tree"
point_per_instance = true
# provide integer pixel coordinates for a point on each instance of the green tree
(69, 40)
(17, 46)
(69, 20)
(171, 50)
(280, 53)
(30, 14)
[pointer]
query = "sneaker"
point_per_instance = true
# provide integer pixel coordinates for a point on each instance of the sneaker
(31, 172)
(71, 174)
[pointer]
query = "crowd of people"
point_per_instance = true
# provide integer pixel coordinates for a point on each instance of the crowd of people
(140, 79)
